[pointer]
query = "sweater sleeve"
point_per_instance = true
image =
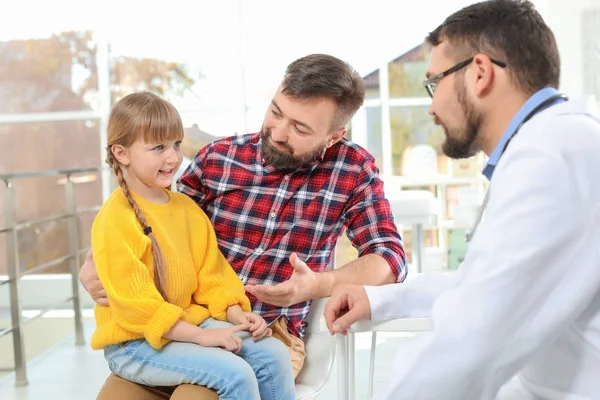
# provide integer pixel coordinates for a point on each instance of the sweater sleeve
(219, 287)
(124, 264)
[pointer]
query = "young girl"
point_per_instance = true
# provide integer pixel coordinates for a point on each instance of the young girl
(170, 289)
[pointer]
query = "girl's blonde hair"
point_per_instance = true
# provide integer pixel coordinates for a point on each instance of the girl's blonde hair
(143, 116)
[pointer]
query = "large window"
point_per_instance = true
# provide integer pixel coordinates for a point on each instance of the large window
(407, 147)
(55, 96)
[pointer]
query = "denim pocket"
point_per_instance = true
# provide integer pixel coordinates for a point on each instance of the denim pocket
(135, 348)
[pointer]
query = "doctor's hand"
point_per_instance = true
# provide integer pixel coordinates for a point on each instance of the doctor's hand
(300, 287)
(347, 305)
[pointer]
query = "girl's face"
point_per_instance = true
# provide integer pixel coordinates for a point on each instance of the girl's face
(149, 166)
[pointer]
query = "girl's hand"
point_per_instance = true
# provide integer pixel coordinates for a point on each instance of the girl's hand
(257, 325)
(224, 338)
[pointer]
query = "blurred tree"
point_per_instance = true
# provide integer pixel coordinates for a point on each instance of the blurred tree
(406, 77)
(53, 74)
(60, 73)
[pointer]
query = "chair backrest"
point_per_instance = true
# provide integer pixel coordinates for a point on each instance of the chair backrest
(413, 206)
(315, 314)
(315, 317)
(320, 350)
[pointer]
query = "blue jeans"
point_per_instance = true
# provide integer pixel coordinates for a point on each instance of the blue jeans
(261, 370)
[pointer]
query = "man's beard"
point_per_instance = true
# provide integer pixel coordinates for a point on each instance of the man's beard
(285, 159)
(461, 143)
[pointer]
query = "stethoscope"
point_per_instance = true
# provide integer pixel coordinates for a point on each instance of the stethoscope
(469, 235)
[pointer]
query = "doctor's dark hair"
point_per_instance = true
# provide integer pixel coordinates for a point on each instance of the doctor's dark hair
(511, 31)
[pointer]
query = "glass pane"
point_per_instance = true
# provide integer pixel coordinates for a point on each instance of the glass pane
(48, 241)
(457, 248)
(344, 251)
(372, 85)
(374, 140)
(411, 127)
(56, 73)
(205, 84)
(42, 197)
(430, 239)
(3, 270)
(406, 75)
(407, 72)
(164, 77)
(49, 145)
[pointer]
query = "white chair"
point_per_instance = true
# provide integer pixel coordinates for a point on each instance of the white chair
(320, 354)
(320, 351)
(416, 208)
(346, 352)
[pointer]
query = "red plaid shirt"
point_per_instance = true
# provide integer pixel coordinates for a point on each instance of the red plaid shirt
(262, 215)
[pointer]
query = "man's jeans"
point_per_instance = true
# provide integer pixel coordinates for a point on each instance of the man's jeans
(261, 370)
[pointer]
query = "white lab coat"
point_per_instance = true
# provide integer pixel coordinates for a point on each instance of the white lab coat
(525, 303)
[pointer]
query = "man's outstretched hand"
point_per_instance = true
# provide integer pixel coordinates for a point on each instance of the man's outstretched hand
(88, 276)
(347, 305)
(300, 287)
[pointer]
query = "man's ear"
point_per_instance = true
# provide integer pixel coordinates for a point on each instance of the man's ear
(336, 136)
(121, 154)
(484, 74)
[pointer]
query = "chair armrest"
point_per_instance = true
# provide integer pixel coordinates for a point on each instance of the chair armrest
(393, 325)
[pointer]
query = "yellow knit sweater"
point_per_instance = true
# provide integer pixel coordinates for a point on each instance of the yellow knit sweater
(200, 282)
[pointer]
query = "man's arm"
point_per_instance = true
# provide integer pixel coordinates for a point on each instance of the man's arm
(306, 284)
(88, 276)
(371, 228)
(370, 269)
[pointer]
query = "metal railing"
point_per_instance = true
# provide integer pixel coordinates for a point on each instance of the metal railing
(11, 230)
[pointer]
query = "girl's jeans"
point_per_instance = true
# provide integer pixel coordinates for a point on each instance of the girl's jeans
(261, 370)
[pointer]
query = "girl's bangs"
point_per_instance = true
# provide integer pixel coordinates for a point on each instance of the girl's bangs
(159, 122)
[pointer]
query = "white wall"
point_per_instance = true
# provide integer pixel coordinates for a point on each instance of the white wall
(565, 19)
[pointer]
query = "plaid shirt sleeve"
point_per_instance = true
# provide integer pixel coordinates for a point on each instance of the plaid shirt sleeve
(190, 182)
(370, 223)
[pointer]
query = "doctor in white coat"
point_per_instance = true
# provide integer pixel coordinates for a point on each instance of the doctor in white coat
(520, 319)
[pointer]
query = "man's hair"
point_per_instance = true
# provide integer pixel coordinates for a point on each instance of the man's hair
(511, 31)
(324, 76)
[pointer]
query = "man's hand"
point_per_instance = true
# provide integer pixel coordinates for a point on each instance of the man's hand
(256, 324)
(88, 276)
(347, 305)
(300, 287)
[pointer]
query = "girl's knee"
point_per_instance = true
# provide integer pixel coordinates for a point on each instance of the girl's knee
(242, 382)
(244, 374)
